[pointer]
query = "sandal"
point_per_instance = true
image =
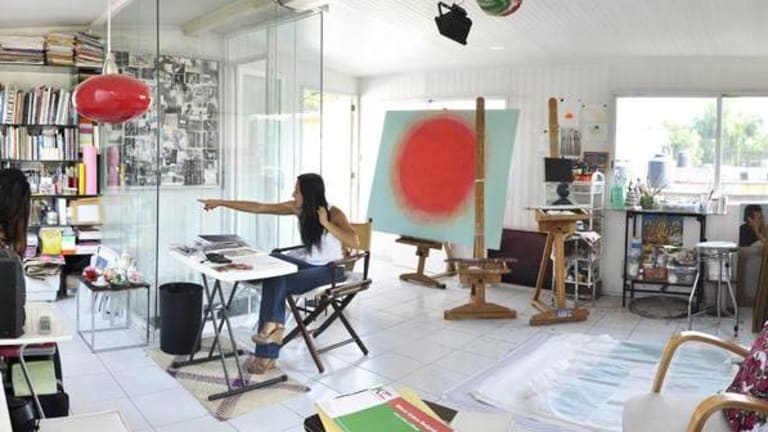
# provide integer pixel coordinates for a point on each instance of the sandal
(271, 333)
(260, 365)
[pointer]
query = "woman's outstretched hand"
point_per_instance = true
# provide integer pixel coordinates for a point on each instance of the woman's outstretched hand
(210, 204)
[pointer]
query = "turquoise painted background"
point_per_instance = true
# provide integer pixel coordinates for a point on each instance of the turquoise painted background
(501, 129)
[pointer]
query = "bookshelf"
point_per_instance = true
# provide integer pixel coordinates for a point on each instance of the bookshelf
(40, 134)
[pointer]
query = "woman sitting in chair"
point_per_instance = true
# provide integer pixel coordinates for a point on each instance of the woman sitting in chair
(14, 210)
(323, 230)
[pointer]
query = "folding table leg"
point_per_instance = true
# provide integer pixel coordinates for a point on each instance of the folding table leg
(232, 341)
(210, 295)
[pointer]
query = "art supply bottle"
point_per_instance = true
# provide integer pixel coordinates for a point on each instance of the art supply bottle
(617, 196)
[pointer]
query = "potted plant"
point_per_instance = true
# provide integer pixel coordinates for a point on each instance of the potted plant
(649, 196)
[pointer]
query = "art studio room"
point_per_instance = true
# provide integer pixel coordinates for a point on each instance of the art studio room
(383, 216)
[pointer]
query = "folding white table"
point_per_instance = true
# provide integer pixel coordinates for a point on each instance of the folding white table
(262, 266)
(32, 336)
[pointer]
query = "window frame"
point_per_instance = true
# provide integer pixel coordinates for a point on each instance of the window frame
(719, 96)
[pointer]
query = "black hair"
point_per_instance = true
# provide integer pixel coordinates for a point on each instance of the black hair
(750, 210)
(14, 209)
(312, 190)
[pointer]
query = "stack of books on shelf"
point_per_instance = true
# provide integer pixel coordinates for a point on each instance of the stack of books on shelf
(22, 49)
(89, 50)
(88, 240)
(16, 143)
(59, 49)
(89, 133)
(43, 105)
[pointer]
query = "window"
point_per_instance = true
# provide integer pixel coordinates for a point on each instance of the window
(744, 168)
(681, 133)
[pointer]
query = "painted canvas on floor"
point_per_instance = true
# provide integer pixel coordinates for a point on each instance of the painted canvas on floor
(425, 175)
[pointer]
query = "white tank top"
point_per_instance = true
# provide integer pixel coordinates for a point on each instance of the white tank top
(330, 250)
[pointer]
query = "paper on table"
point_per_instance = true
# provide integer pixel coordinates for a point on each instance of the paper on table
(42, 375)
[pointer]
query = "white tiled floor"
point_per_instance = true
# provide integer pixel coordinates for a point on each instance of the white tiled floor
(402, 325)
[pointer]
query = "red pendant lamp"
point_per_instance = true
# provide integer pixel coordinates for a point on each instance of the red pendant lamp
(111, 97)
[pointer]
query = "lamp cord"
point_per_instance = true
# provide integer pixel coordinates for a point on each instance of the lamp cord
(109, 27)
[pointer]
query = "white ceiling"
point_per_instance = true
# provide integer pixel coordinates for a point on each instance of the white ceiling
(385, 36)
(27, 13)
(372, 37)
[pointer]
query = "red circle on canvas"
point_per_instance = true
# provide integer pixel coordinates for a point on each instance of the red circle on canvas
(434, 167)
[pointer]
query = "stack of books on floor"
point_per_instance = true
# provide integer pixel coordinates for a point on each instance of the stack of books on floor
(89, 50)
(59, 49)
(384, 409)
(22, 49)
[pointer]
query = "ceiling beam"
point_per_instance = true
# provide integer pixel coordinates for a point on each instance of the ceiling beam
(117, 6)
(218, 17)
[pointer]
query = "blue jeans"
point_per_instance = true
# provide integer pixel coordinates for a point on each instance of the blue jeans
(274, 292)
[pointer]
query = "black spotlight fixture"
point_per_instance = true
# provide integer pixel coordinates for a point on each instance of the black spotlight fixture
(453, 24)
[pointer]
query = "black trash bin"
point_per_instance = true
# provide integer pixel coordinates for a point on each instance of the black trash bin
(181, 306)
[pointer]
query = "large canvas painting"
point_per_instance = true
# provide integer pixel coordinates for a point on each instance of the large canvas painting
(425, 175)
(189, 107)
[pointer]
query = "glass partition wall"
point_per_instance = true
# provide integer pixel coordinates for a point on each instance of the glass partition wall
(229, 120)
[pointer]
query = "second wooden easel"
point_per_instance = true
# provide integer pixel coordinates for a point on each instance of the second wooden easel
(422, 251)
(480, 271)
(557, 225)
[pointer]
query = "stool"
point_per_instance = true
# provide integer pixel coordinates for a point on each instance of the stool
(715, 252)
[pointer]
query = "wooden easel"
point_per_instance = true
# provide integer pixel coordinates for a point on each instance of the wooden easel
(422, 251)
(480, 270)
(557, 226)
(554, 128)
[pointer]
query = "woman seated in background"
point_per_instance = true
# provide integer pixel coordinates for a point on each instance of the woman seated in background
(14, 210)
(752, 230)
(323, 229)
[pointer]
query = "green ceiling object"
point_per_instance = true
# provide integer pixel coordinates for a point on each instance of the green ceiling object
(499, 7)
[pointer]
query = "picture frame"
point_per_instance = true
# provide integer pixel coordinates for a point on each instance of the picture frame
(597, 160)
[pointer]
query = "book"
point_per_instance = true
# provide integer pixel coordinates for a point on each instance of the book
(379, 409)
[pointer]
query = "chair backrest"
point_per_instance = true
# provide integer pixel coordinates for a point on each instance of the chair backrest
(363, 231)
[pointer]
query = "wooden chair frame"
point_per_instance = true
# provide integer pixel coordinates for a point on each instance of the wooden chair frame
(714, 403)
(336, 297)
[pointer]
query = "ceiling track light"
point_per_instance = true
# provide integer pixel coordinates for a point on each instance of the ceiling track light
(453, 24)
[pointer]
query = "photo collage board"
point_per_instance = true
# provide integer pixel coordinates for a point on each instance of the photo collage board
(190, 127)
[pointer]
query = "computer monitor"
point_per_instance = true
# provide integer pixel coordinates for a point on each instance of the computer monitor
(558, 170)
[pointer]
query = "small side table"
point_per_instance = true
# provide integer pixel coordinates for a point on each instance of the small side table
(89, 335)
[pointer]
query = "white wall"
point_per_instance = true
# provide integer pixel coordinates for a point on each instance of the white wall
(527, 88)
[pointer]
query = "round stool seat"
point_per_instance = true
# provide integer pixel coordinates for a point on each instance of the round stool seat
(716, 246)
